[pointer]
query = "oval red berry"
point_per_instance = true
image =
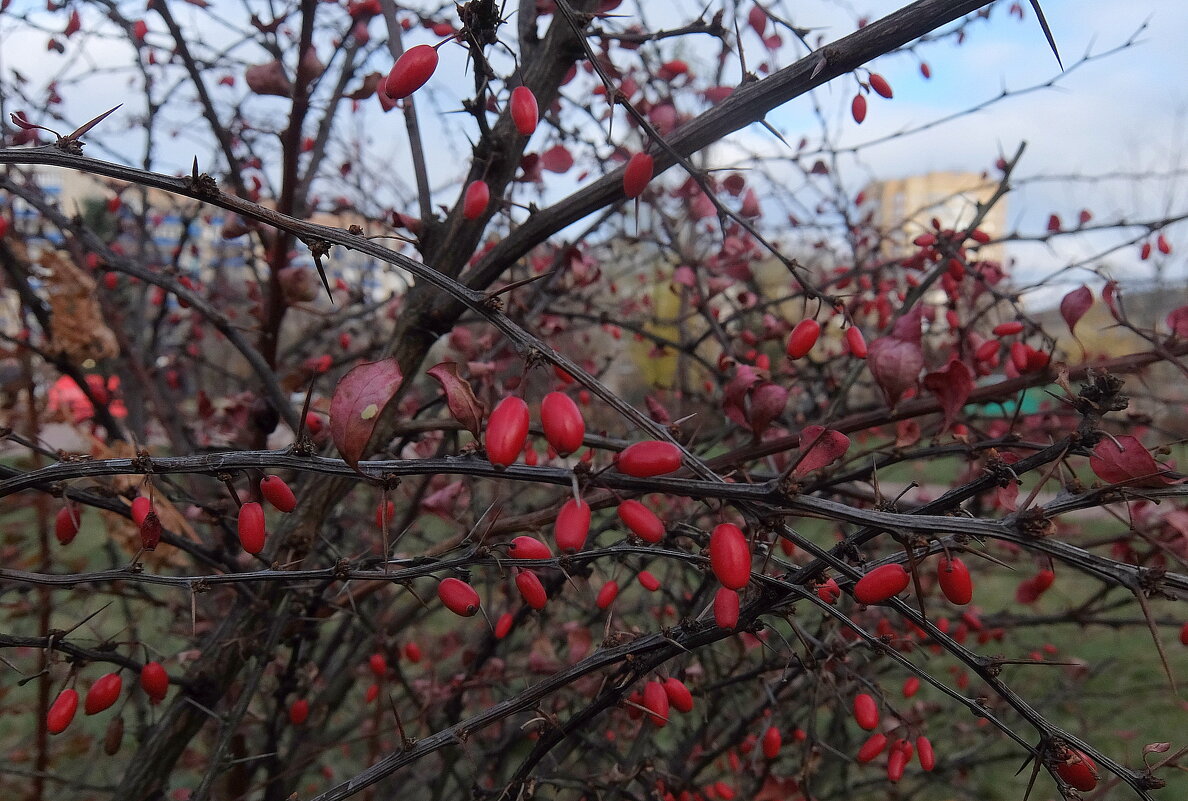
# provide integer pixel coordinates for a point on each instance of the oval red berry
(954, 580)
(414, 67)
(251, 527)
(503, 626)
(679, 697)
(299, 712)
(103, 693)
(141, 506)
(572, 526)
(476, 200)
(1079, 771)
(648, 581)
(277, 492)
(650, 458)
(802, 338)
(562, 422)
(638, 174)
(525, 547)
(459, 597)
(655, 699)
(61, 711)
(726, 604)
(924, 753)
(881, 583)
(641, 520)
(154, 681)
(730, 556)
(858, 108)
(880, 85)
(872, 748)
(531, 590)
(524, 110)
(772, 740)
(607, 595)
(507, 431)
(67, 523)
(866, 711)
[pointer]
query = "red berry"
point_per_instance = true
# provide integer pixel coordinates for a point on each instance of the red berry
(141, 506)
(650, 458)
(61, 711)
(880, 85)
(954, 580)
(384, 513)
(1184, 634)
(802, 338)
(866, 711)
(987, 350)
(531, 590)
(655, 699)
(507, 430)
(572, 526)
(411, 71)
(828, 591)
(154, 681)
(476, 199)
(649, 582)
(881, 583)
(524, 547)
(858, 108)
(298, 712)
(772, 740)
(1162, 245)
(925, 754)
(524, 111)
(277, 492)
(67, 523)
(856, 342)
(562, 421)
(679, 696)
(458, 596)
(911, 686)
(730, 556)
(641, 520)
(503, 626)
(872, 748)
(1008, 328)
(372, 693)
(412, 652)
(378, 664)
(103, 693)
(251, 527)
(638, 174)
(1079, 771)
(896, 762)
(607, 595)
(726, 608)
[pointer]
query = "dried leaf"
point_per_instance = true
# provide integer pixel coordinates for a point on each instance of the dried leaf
(1074, 305)
(269, 79)
(79, 330)
(1156, 748)
(820, 446)
(952, 387)
(464, 406)
(358, 403)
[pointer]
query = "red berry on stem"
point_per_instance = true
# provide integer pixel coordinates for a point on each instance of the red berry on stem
(649, 582)
(866, 711)
(730, 556)
(641, 520)
(655, 699)
(896, 762)
(66, 524)
(531, 590)
(856, 342)
(828, 591)
(649, 458)
(103, 693)
(802, 338)
(880, 85)
(251, 527)
(507, 430)
(524, 110)
(858, 108)
(562, 421)
(772, 740)
(911, 686)
(872, 748)
(925, 754)
(414, 67)
(476, 200)
(503, 626)
(412, 652)
(384, 513)
(298, 712)
(1007, 328)
(277, 492)
(61, 711)
(954, 580)
(154, 681)
(726, 608)
(679, 696)
(572, 526)
(141, 506)
(458, 596)
(1079, 771)
(638, 174)
(524, 547)
(881, 583)
(607, 595)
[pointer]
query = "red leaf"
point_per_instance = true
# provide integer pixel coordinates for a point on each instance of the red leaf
(359, 400)
(557, 159)
(896, 360)
(1126, 461)
(823, 445)
(767, 403)
(269, 79)
(1074, 305)
(446, 501)
(951, 386)
(1177, 321)
(1110, 294)
(464, 406)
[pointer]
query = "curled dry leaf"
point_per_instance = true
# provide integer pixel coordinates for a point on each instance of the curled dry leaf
(464, 406)
(78, 329)
(824, 446)
(358, 402)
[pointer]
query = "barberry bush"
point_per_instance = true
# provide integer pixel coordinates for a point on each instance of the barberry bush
(476, 401)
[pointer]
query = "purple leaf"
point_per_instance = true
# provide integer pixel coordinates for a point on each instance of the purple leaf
(1074, 305)
(464, 406)
(359, 400)
(951, 386)
(895, 360)
(824, 446)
